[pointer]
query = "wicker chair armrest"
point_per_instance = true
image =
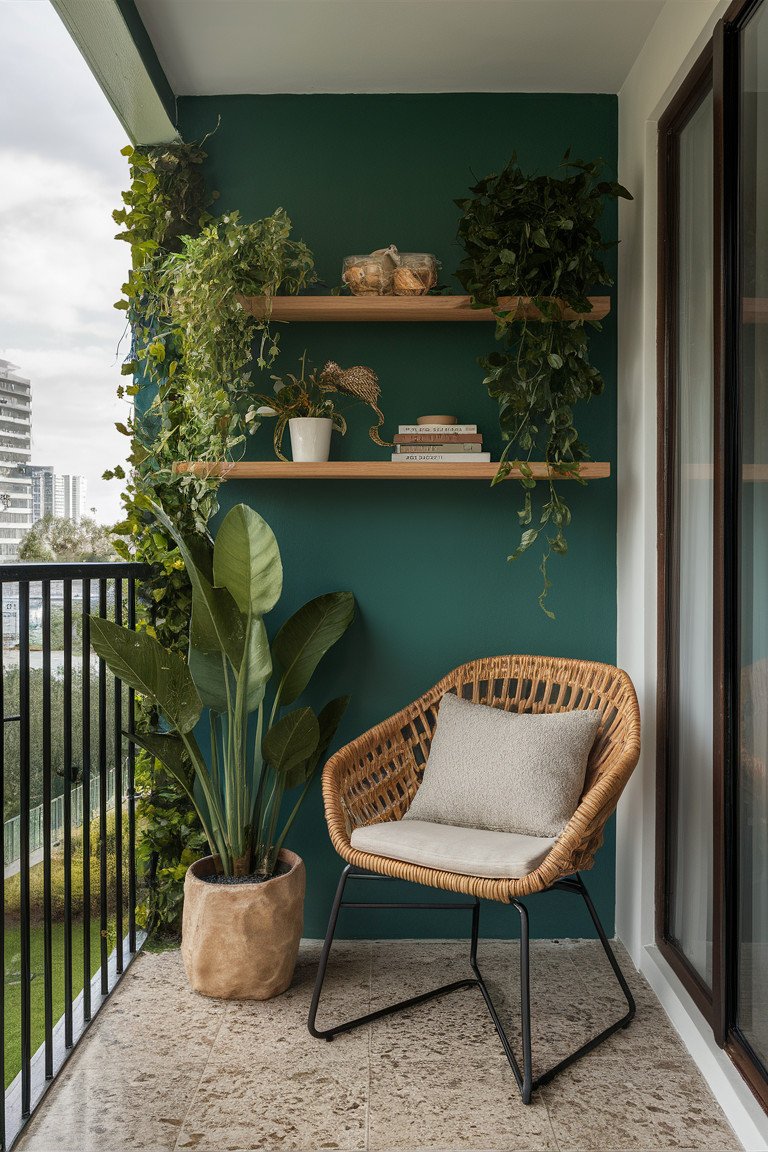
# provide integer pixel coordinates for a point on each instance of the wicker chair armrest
(374, 778)
(582, 836)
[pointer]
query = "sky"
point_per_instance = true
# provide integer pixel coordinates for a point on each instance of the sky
(61, 175)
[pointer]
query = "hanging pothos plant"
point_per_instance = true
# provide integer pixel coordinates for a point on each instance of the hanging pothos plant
(538, 237)
(204, 284)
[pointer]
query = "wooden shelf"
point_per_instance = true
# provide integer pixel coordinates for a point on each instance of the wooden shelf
(373, 470)
(399, 309)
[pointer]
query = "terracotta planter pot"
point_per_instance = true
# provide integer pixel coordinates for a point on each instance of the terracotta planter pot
(240, 941)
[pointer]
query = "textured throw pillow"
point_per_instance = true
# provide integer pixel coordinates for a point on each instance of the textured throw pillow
(504, 771)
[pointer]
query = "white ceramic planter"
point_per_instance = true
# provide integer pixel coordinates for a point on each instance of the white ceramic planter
(310, 438)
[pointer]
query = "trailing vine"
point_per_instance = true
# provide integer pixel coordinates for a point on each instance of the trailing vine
(538, 237)
(192, 344)
(203, 284)
(165, 201)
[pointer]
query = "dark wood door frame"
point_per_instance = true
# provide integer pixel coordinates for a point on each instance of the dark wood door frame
(689, 97)
(718, 67)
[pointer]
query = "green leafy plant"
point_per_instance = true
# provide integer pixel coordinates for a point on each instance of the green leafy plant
(305, 395)
(538, 237)
(312, 394)
(166, 199)
(182, 412)
(238, 792)
(206, 281)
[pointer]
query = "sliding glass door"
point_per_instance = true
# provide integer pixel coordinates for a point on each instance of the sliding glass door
(751, 785)
(712, 815)
(686, 521)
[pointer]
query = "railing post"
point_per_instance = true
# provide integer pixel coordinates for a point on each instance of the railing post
(103, 846)
(46, 832)
(86, 795)
(24, 805)
(131, 788)
(117, 791)
(67, 764)
(3, 1143)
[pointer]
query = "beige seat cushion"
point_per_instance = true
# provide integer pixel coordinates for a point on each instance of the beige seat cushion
(468, 851)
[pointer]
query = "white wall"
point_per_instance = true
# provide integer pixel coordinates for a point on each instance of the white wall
(680, 32)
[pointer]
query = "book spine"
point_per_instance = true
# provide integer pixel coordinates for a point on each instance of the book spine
(438, 438)
(425, 448)
(419, 429)
(442, 457)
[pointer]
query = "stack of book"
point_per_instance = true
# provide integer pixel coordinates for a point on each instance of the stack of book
(440, 444)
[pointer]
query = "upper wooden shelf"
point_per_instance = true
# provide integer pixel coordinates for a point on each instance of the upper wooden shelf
(399, 309)
(374, 470)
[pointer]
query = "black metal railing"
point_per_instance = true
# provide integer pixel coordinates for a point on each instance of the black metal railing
(67, 792)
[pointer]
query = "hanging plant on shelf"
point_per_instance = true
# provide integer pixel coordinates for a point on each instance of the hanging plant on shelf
(538, 237)
(204, 283)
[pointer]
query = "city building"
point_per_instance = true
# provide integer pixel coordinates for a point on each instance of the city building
(70, 494)
(43, 490)
(16, 514)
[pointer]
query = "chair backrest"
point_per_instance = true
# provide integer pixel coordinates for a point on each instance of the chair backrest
(536, 684)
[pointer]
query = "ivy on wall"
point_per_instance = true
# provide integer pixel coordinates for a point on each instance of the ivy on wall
(166, 200)
(192, 345)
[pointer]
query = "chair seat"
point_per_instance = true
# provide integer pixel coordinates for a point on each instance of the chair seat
(467, 851)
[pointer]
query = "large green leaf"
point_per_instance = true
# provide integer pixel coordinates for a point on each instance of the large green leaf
(208, 673)
(303, 640)
(217, 625)
(329, 719)
(169, 749)
(256, 666)
(141, 662)
(292, 740)
(246, 561)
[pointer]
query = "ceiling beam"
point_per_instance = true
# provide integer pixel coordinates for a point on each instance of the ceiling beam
(117, 48)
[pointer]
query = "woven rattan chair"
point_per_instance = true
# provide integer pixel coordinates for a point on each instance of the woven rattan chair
(375, 778)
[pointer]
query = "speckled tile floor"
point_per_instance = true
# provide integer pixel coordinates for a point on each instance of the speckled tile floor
(163, 1068)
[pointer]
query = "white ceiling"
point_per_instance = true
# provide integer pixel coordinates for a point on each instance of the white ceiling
(212, 47)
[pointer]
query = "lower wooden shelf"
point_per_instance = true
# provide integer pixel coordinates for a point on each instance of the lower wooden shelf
(374, 470)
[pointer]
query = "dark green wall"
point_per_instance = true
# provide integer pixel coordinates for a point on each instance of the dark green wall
(426, 560)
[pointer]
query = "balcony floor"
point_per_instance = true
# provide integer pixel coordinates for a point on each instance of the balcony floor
(163, 1068)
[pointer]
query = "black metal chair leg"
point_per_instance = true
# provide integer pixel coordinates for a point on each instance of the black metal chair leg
(631, 1006)
(327, 944)
(577, 885)
(329, 1033)
(524, 1076)
(525, 1003)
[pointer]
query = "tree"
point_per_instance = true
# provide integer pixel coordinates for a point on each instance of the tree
(57, 539)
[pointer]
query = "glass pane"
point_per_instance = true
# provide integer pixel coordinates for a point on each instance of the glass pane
(752, 782)
(690, 871)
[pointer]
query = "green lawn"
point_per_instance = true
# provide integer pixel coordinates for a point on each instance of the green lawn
(12, 958)
(13, 988)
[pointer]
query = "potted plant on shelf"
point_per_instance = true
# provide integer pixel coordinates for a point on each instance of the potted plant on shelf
(306, 405)
(243, 904)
